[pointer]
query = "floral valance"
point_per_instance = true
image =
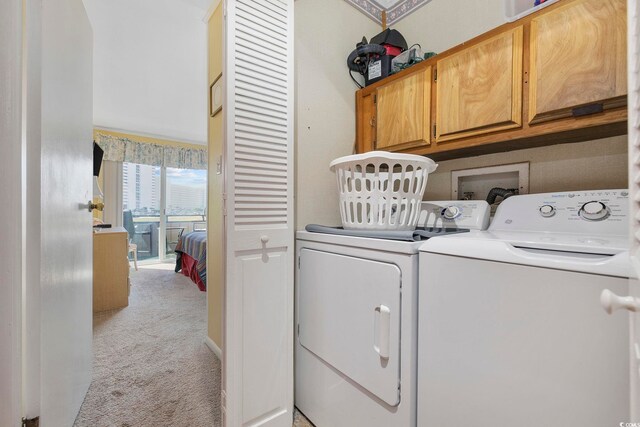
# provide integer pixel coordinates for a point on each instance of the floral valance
(118, 149)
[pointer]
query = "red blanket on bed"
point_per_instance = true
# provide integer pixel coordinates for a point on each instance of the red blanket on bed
(189, 270)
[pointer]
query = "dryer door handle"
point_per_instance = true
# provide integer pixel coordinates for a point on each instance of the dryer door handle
(384, 326)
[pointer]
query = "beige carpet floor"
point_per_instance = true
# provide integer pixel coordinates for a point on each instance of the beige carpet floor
(151, 366)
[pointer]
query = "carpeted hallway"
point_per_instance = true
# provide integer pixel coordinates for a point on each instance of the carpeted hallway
(151, 366)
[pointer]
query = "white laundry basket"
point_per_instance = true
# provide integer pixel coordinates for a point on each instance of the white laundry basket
(381, 190)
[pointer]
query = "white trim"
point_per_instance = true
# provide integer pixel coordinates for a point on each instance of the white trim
(32, 305)
(212, 8)
(213, 347)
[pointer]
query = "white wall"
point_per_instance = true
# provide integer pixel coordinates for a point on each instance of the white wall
(150, 72)
(591, 165)
(442, 24)
(325, 33)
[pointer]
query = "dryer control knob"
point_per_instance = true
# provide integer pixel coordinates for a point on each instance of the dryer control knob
(451, 212)
(547, 211)
(594, 211)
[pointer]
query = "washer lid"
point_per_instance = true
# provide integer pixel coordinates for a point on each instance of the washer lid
(597, 255)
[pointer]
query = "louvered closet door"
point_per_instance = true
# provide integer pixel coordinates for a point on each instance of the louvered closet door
(258, 346)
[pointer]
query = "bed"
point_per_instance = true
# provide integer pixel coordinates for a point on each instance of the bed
(191, 257)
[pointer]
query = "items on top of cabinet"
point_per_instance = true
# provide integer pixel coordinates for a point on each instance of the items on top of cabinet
(409, 57)
(381, 190)
(373, 59)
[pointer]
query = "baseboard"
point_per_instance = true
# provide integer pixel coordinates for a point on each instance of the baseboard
(213, 347)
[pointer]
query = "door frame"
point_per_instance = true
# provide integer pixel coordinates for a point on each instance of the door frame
(12, 147)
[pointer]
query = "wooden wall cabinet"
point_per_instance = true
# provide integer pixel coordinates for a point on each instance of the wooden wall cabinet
(578, 60)
(365, 121)
(110, 269)
(397, 114)
(403, 111)
(479, 89)
(555, 76)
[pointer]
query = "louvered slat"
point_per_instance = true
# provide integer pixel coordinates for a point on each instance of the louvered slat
(261, 113)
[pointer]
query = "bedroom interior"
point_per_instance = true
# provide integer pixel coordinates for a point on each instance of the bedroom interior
(149, 69)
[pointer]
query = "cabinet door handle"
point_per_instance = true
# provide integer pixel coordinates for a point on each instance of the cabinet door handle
(612, 302)
(372, 122)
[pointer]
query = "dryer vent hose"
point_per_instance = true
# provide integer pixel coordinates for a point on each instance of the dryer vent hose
(496, 192)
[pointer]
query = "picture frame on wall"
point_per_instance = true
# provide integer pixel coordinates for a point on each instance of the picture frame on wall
(215, 96)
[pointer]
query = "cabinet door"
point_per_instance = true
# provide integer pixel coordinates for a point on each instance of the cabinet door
(578, 60)
(403, 112)
(365, 121)
(479, 89)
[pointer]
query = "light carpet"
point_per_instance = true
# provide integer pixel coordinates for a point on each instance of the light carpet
(151, 366)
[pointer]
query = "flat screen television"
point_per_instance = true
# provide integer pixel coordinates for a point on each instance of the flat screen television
(98, 153)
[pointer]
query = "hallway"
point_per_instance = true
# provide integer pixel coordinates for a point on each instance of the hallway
(151, 366)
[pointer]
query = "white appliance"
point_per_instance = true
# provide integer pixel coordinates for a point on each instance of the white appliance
(356, 314)
(511, 330)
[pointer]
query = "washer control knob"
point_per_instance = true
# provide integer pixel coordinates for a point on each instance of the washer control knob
(451, 212)
(547, 211)
(594, 211)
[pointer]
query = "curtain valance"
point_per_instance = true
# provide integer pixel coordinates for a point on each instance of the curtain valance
(119, 149)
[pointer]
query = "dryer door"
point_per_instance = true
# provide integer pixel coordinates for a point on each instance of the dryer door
(349, 316)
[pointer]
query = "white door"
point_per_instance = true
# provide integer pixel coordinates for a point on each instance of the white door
(633, 46)
(258, 341)
(58, 299)
(11, 212)
(351, 320)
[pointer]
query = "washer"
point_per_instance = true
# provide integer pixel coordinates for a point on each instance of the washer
(356, 314)
(511, 330)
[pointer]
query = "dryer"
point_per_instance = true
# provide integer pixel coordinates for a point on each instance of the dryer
(356, 321)
(511, 330)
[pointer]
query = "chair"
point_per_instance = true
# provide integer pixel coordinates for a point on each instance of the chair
(171, 243)
(127, 219)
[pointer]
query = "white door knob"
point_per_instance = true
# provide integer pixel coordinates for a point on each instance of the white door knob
(264, 238)
(611, 302)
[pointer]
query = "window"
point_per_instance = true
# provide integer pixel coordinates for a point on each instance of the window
(164, 203)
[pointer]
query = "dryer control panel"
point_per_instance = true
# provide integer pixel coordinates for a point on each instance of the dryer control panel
(471, 214)
(592, 212)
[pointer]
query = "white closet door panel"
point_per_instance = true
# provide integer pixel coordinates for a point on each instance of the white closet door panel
(258, 347)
